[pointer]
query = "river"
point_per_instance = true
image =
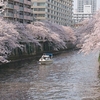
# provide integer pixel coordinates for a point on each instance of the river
(72, 76)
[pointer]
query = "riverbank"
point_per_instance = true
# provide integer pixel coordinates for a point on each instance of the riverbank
(34, 57)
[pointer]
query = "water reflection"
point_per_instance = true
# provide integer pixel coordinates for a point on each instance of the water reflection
(43, 72)
(72, 76)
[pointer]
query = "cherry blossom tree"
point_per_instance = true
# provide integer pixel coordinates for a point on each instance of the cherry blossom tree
(87, 35)
(25, 33)
(8, 38)
(11, 34)
(90, 34)
(41, 31)
(56, 34)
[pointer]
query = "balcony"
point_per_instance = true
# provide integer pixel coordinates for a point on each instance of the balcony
(29, 10)
(16, 15)
(25, 17)
(16, 7)
(22, 1)
(11, 6)
(17, 0)
(29, 17)
(25, 9)
(9, 15)
(21, 16)
(40, 18)
(27, 2)
(21, 9)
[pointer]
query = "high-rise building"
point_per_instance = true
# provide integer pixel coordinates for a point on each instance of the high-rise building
(56, 11)
(17, 10)
(85, 10)
(81, 5)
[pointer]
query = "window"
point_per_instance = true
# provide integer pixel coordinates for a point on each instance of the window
(21, 5)
(39, 9)
(41, 4)
(35, 4)
(41, 15)
(21, 13)
(35, 9)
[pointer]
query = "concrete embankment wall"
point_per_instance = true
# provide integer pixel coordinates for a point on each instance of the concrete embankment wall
(31, 51)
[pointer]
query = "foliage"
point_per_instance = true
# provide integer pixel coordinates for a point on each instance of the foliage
(11, 34)
(8, 38)
(56, 34)
(89, 34)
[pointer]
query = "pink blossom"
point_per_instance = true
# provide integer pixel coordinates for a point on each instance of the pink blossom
(11, 34)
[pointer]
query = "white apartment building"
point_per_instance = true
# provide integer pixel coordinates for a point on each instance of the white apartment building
(18, 10)
(56, 11)
(81, 3)
(85, 10)
(78, 17)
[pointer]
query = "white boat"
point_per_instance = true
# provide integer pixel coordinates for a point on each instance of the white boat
(46, 58)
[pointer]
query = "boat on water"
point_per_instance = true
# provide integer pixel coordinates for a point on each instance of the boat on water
(47, 58)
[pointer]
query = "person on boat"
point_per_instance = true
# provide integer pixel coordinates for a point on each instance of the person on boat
(50, 56)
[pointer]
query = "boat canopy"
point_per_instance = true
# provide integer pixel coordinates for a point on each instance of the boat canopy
(49, 54)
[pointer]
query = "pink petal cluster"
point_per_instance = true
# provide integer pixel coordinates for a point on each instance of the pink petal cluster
(11, 34)
(89, 34)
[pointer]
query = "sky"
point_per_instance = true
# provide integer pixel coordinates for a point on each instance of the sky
(75, 4)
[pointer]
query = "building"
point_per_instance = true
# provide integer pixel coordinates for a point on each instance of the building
(18, 10)
(85, 10)
(78, 17)
(81, 4)
(56, 11)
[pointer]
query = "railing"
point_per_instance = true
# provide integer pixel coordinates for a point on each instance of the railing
(25, 17)
(21, 16)
(8, 15)
(21, 1)
(16, 7)
(16, 15)
(10, 6)
(21, 8)
(29, 10)
(27, 2)
(25, 9)
(29, 17)
(16, 0)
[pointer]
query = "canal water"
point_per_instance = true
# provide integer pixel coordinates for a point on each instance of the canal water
(72, 76)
